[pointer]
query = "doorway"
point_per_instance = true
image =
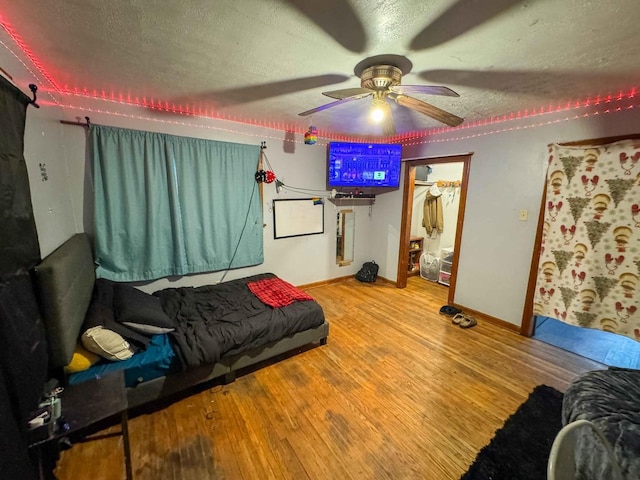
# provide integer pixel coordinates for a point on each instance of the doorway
(405, 247)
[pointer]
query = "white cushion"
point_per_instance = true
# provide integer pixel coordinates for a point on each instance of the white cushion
(106, 343)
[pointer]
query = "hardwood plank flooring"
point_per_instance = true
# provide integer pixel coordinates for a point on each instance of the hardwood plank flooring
(397, 393)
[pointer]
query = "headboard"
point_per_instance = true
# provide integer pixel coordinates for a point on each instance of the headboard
(64, 284)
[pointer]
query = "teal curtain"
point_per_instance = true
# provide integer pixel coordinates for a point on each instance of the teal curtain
(168, 205)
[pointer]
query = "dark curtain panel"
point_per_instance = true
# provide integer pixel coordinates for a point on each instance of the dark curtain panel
(14, 460)
(23, 349)
(23, 369)
(19, 248)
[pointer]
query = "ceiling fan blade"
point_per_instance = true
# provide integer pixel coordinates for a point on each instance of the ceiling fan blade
(424, 89)
(338, 19)
(388, 125)
(462, 16)
(348, 92)
(330, 105)
(427, 109)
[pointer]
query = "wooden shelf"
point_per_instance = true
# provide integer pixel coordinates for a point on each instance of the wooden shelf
(415, 251)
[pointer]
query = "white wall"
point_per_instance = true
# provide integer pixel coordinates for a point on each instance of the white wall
(507, 175)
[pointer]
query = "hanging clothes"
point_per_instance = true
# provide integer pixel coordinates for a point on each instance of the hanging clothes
(433, 219)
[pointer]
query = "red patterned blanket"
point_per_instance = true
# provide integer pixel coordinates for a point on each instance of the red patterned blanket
(275, 292)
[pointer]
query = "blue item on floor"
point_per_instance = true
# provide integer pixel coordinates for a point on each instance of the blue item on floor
(604, 347)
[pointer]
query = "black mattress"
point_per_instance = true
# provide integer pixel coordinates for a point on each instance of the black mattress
(215, 320)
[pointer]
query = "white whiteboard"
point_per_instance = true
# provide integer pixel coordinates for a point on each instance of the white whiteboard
(293, 217)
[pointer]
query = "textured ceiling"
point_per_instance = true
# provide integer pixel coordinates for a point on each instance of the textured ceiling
(265, 61)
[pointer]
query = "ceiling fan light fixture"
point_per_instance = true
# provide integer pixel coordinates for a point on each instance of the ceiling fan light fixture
(378, 107)
(380, 77)
(377, 114)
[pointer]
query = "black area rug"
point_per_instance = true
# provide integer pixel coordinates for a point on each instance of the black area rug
(520, 449)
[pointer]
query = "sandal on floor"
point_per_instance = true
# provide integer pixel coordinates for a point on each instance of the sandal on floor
(457, 318)
(450, 311)
(468, 321)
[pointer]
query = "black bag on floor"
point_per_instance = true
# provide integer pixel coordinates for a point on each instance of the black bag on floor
(368, 273)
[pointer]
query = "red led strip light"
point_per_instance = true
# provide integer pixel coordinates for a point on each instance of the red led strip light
(27, 51)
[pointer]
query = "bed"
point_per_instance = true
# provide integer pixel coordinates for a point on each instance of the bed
(216, 329)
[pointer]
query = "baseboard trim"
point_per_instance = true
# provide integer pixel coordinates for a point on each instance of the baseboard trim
(331, 281)
(489, 318)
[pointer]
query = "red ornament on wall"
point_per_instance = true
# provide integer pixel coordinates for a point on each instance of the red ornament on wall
(270, 176)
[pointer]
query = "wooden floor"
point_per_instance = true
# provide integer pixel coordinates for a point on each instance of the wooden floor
(397, 393)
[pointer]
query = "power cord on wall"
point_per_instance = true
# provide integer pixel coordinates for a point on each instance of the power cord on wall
(246, 220)
(280, 184)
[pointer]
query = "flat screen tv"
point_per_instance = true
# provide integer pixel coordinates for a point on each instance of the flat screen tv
(364, 165)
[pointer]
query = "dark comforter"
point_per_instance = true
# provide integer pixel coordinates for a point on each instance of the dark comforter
(214, 320)
(611, 400)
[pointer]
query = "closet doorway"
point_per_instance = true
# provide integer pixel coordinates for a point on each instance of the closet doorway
(408, 214)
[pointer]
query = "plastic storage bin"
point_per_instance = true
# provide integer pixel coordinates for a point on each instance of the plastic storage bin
(446, 264)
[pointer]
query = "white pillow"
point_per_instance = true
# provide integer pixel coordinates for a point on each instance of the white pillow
(106, 343)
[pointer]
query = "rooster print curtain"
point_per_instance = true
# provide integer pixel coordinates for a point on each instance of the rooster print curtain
(589, 268)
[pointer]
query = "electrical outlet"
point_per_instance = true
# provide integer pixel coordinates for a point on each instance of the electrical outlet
(523, 215)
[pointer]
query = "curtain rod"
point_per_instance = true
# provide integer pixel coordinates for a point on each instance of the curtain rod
(263, 145)
(77, 124)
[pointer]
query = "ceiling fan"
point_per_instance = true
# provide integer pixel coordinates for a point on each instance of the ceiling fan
(380, 78)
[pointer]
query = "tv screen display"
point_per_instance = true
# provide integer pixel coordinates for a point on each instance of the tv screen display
(364, 164)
